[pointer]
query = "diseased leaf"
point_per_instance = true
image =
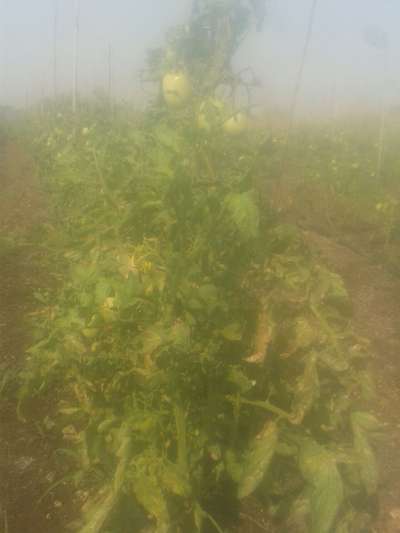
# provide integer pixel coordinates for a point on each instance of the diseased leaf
(152, 339)
(299, 514)
(262, 336)
(148, 492)
(237, 377)
(103, 290)
(198, 517)
(334, 360)
(302, 335)
(105, 502)
(257, 460)
(181, 335)
(307, 390)
(233, 332)
(304, 332)
(244, 213)
(365, 421)
(98, 514)
(233, 466)
(319, 469)
(175, 480)
(361, 424)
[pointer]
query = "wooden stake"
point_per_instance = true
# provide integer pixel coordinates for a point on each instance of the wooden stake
(75, 62)
(55, 39)
(110, 102)
(299, 79)
(382, 126)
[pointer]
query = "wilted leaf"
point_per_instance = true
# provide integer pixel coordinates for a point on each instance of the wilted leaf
(74, 345)
(153, 338)
(149, 494)
(307, 389)
(257, 459)
(233, 332)
(365, 421)
(181, 335)
(208, 293)
(103, 290)
(262, 337)
(334, 360)
(299, 513)
(198, 517)
(237, 377)
(98, 514)
(101, 509)
(319, 469)
(305, 333)
(361, 424)
(233, 466)
(174, 480)
(244, 213)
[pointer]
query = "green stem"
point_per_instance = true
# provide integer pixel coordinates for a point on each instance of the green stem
(181, 438)
(268, 407)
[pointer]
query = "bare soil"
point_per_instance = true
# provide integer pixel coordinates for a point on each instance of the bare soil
(28, 464)
(375, 294)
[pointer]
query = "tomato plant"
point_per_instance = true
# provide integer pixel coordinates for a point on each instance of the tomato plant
(197, 348)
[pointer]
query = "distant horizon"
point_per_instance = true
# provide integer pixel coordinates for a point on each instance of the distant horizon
(341, 70)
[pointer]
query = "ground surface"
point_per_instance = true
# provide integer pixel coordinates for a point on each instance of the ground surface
(27, 464)
(375, 294)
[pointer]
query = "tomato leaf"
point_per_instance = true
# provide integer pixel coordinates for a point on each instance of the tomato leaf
(258, 459)
(319, 469)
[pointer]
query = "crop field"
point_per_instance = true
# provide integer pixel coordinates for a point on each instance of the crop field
(199, 313)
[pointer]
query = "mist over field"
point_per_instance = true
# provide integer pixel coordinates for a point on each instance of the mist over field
(343, 70)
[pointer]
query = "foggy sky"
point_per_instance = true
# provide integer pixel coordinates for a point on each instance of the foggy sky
(341, 67)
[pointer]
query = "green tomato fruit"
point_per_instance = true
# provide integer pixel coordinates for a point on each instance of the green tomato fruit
(236, 124)
(177, 88)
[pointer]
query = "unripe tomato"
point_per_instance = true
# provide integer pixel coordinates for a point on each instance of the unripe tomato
(177, 88)
(236, 124)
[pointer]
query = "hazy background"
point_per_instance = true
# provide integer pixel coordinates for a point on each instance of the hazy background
(340, 68)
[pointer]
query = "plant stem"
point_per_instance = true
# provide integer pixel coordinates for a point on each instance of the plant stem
(181, 438)
(268, 407)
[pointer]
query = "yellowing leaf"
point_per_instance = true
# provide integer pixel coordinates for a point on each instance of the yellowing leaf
(307, 390)
(243, 212)
(258, 459)
(175, 481)
(149, 494)
(361, 424)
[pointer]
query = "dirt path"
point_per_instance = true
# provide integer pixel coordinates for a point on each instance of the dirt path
(376, 300)
(27, 464)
